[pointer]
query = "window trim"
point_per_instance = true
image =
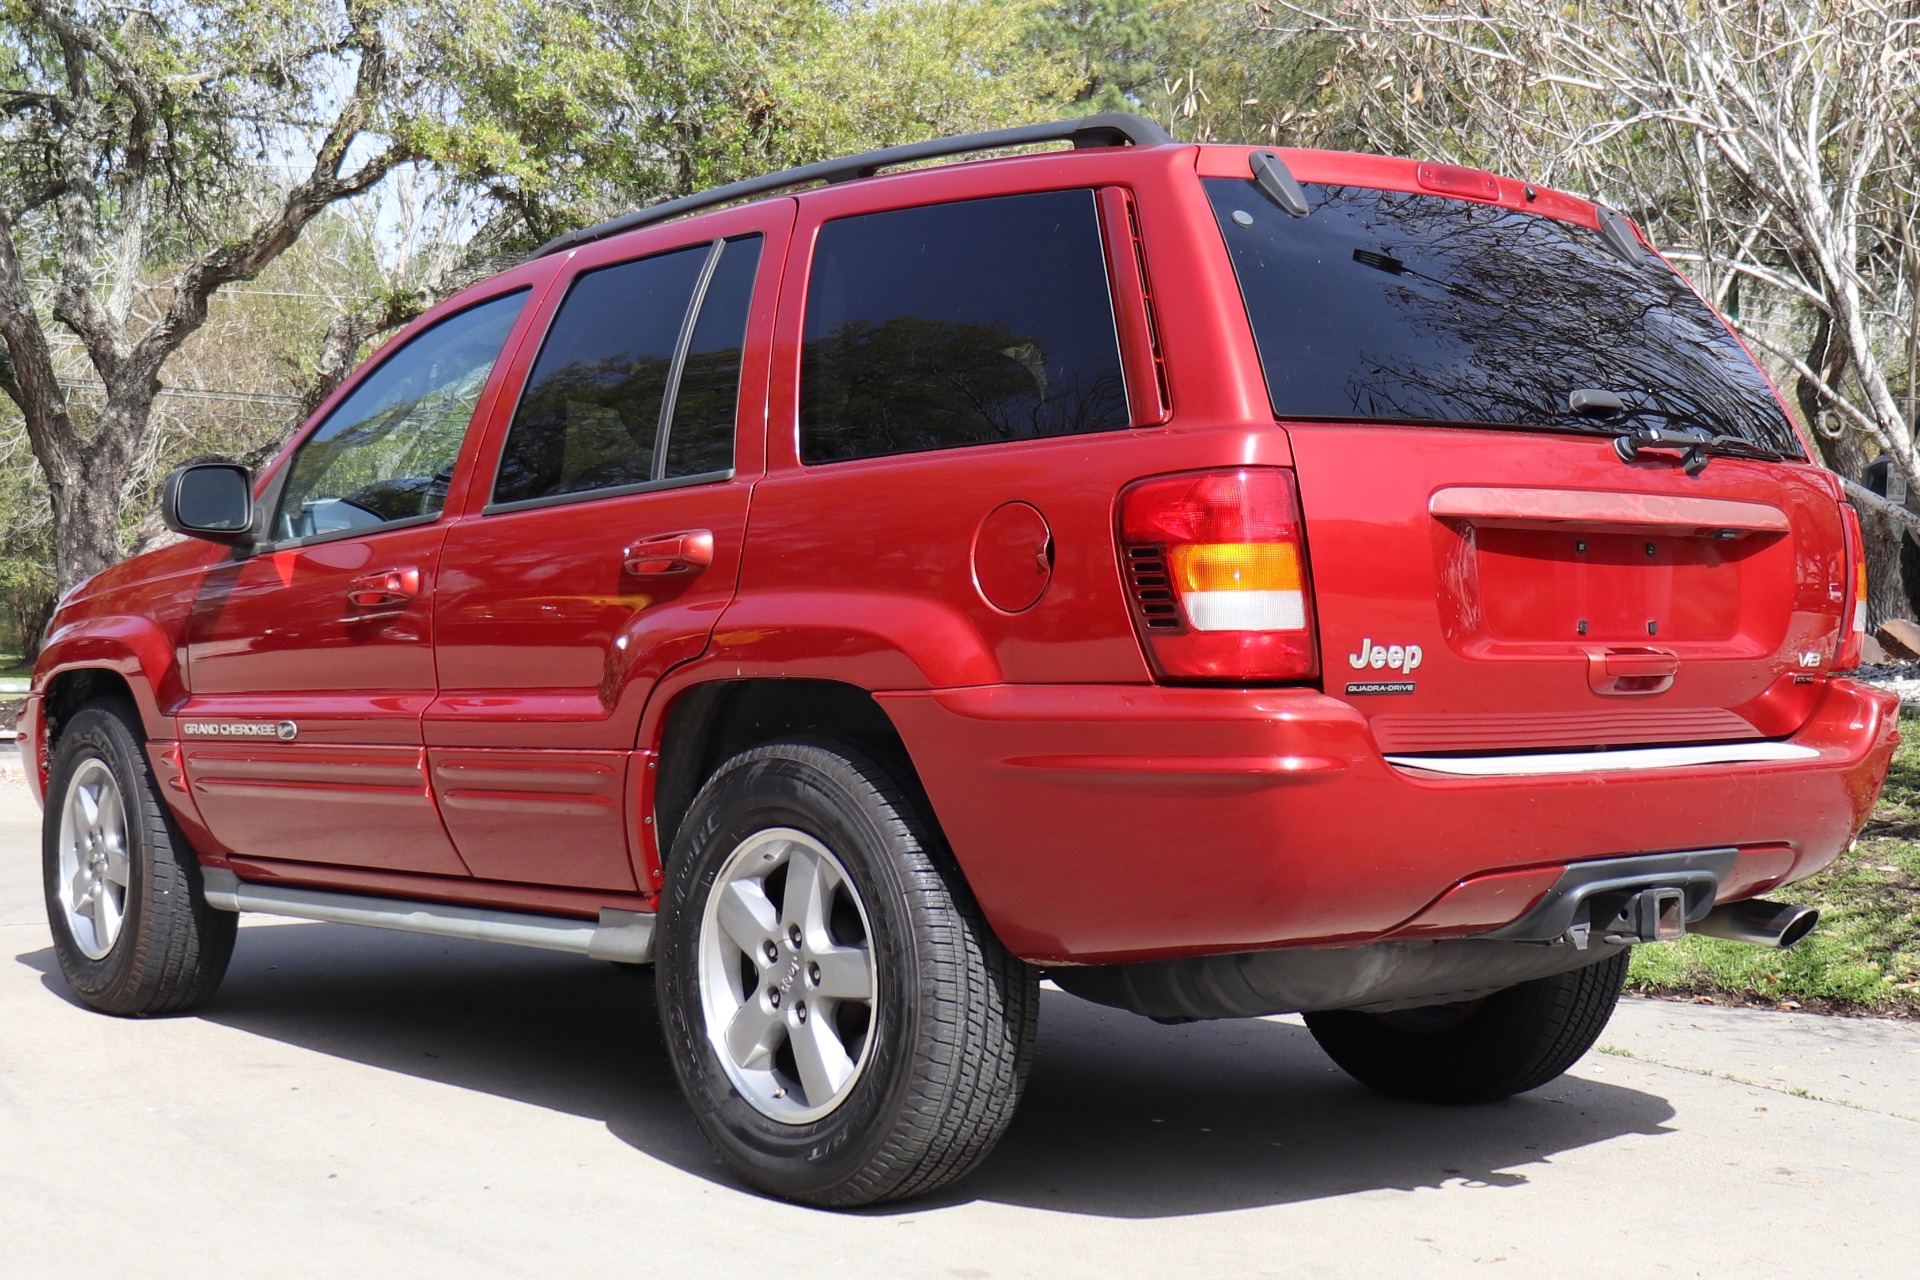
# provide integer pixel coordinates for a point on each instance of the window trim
(670, 398)
(268, 504)
(612, 491)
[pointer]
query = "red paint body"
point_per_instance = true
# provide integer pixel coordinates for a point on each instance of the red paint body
(481, 699)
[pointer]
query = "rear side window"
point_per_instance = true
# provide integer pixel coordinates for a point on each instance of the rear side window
(957, 324)
(638, 378)
(700, 439)
(1386, 305)
(386, 452)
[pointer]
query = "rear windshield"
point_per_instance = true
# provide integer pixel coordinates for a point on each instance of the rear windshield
(1383, 305)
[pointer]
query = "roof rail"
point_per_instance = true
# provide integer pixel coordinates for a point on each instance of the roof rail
(1108, 129)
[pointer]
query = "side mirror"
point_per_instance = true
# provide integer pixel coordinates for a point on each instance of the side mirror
(211, 500)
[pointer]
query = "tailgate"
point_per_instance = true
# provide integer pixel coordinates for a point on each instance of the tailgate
(1468, 603)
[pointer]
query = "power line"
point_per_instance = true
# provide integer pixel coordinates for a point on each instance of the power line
(191, 393)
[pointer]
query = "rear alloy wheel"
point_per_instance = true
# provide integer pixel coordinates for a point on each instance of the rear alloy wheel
(788, 990)
(1506, 1043)
(131, 926)
(846, 1028)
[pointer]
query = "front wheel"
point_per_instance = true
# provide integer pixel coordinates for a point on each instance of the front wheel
(131, 925)
(1507, 1043)
(845, 1027)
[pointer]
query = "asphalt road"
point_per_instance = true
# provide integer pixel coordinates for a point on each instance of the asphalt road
(357, 1103)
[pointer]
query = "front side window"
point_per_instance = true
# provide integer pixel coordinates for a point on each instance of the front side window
(955, 324)
(386, 453)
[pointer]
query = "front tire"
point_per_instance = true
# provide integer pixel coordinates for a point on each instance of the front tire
(1507, 1043)
(131, 926)
(845, 1027)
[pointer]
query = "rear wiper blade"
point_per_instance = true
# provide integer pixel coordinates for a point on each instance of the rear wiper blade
(1693, 438)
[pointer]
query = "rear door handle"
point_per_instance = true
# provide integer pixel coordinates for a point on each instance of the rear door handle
(670, 555)
(1631, 671)
(385, 589)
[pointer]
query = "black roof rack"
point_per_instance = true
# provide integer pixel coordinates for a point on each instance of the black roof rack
(1108, 129)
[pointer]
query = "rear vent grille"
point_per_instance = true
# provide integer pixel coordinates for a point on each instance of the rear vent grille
(1152, 590)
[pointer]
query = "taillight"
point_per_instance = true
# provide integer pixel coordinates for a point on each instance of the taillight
(1216, 565)
(1853, 615)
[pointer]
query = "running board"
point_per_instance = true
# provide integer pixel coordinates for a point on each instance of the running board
(622, 936)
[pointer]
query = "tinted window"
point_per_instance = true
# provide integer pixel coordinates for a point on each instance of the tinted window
(959, 324)
(591, 412)
(387, 451)
(700, 440)
(1386, 305)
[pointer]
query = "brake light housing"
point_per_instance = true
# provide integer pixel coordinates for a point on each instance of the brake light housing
(1853, 614)
(1216, 566)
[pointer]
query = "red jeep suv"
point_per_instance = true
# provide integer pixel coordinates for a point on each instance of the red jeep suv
(1222, 581)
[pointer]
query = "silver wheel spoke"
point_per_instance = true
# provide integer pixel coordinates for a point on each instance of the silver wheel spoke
(106, 916)
(822, 1059)
(805, 901)
(846, 973)
(746, 915)
(754, 1034)
(117, 867)
(88, 803)
(79, 891)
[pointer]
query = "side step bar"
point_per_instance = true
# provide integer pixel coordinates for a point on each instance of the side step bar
(622, 936)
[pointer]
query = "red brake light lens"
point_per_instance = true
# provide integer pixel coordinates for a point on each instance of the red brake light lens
(1853, 617)
(1216, 565)
(1458, 180)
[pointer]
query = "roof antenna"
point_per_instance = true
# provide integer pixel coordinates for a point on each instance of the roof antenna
(1276, 183)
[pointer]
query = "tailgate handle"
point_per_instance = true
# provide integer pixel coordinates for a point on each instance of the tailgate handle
(385, 589)
(671, 555)
(1631, 672)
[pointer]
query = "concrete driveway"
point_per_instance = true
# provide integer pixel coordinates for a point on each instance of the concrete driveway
(361, 1103)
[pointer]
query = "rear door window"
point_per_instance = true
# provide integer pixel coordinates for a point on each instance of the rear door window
(965, 323)
(638, 379)
(1392, 306)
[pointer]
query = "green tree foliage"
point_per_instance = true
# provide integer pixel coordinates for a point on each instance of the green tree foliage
(597, 106)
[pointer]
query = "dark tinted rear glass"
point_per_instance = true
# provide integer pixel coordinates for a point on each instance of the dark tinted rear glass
(591, 411)
(1386, 305)
(957, 324)
(701, 438)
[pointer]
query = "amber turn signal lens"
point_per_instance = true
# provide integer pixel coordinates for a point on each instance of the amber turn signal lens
(1238, 566)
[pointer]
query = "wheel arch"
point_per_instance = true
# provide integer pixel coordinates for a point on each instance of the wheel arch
(706, 723)
(129, 657)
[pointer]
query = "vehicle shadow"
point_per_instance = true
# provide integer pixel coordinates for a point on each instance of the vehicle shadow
(1123, 1117)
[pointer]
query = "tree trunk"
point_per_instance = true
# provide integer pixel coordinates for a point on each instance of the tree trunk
(86, 508)
(1846, 454)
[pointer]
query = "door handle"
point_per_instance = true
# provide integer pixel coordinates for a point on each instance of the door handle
(385, 589)
(1631, 671)
(670, 555)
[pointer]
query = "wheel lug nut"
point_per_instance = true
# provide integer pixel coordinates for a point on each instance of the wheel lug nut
(800, 1011)
(772, 952)
(793, 934)
(813, 974)
(773, 996)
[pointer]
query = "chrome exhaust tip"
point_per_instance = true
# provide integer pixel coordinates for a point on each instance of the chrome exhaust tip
(1759, 923)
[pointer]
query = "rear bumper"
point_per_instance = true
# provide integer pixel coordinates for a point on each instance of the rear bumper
(1114, 823)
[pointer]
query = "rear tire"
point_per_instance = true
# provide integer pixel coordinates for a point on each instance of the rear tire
(868, 1047)
(1506, 1043)
(131, 926)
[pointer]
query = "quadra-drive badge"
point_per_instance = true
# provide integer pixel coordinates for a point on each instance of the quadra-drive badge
(1388, 657)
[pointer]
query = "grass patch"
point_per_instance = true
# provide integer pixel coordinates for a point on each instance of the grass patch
(1865, 955)
(14, 667)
